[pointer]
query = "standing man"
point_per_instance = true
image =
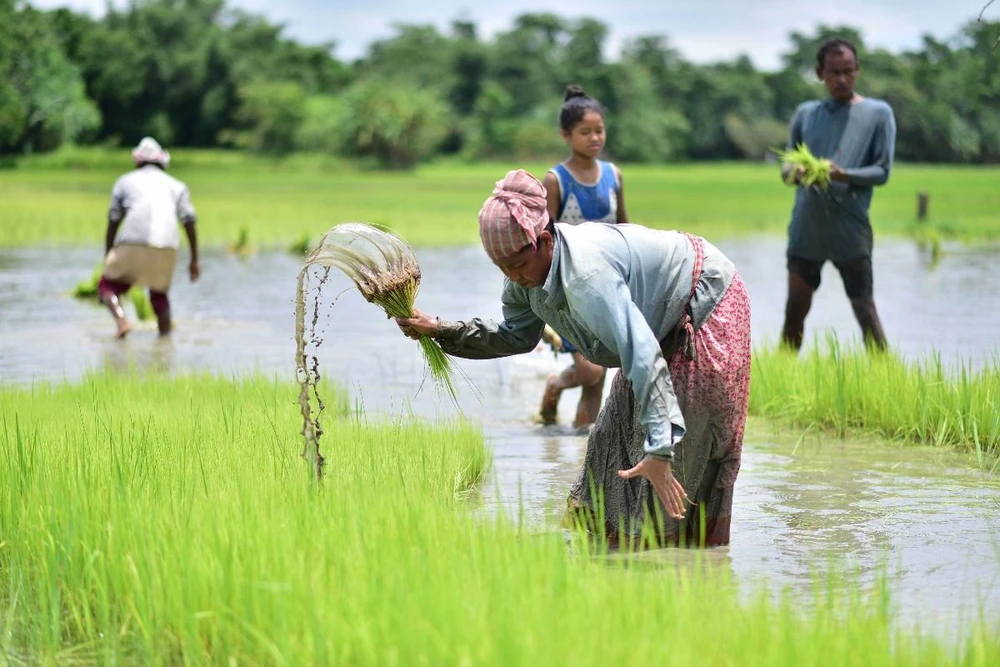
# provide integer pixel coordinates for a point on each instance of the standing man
(147, 204)
(858, 135)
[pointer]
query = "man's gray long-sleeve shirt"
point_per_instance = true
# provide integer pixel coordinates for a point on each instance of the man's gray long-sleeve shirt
(859, 138)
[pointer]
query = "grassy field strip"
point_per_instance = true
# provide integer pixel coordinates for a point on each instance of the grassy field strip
(849, 392)
(62, 199)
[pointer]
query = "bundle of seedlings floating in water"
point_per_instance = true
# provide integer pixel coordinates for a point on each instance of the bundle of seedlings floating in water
(816, 170)
(87, 289)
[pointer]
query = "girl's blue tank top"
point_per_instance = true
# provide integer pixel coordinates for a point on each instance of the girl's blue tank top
(587, 203)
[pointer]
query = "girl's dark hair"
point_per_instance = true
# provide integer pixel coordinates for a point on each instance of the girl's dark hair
(576, 104)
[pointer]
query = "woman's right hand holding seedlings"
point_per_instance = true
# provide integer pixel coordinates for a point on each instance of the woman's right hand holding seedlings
(421, 324)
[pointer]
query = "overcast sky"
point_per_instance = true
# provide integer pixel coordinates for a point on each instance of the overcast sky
(703, 30)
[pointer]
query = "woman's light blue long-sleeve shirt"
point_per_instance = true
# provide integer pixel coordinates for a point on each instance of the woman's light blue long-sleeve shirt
(615, 292)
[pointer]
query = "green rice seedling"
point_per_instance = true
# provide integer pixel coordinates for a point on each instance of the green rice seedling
(159, 521)
(140, 301)
(242, 247)
(928, 239)
(817, 170)
(849, 391)
(301, 245)
(385, 270)
(87, 289)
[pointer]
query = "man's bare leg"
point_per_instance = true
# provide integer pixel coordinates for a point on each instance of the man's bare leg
(161, 306)
(871, 325)
(800, 295)
(109, 290)
(115, 306)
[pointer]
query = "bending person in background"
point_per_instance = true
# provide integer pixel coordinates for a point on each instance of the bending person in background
(580, 189)
(666, 307)
(858, 135)
(142, 237)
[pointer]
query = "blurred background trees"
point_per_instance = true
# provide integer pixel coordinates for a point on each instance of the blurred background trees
(197, 73)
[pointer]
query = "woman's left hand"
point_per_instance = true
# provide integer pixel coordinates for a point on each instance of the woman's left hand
(554, 340)
(661, 476)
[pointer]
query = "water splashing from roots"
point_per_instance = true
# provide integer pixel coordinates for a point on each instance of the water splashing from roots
(307, 369)
(385, 270)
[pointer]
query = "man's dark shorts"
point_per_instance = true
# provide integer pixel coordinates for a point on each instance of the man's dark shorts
(856, 274)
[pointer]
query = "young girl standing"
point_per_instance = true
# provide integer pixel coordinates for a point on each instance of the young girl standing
(580, 189)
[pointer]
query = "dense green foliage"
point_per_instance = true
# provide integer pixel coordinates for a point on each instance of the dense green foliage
(196, 73)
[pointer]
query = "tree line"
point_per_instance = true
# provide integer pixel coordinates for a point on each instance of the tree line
(199, 73)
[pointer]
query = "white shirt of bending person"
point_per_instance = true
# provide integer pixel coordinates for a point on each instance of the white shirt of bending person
(150, 203)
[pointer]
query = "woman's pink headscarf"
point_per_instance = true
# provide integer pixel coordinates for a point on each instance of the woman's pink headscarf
(514, 216)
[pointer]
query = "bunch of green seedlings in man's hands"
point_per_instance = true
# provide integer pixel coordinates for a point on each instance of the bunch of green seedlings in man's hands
(814, 170)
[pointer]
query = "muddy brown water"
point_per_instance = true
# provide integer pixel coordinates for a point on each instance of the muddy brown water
(926, 517)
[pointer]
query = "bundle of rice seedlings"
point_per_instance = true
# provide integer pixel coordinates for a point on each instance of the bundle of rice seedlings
(301, 246)
(143, 306)
(385, 270)
(87, 289)
(242, 248)
(817, 170)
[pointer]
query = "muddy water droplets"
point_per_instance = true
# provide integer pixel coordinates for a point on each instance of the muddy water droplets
(307, 371)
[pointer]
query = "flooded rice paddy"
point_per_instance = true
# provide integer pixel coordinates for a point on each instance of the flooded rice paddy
(801, 499)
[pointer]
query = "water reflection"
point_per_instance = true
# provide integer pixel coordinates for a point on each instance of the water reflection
(140, 354)
(922, 513)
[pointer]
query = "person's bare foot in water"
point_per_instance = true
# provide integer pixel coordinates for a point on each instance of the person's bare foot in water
(117, 312)
(547, 413)
(164, 324)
